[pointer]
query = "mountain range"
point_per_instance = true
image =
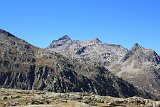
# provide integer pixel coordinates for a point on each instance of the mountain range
(139, 66)
(79, 66)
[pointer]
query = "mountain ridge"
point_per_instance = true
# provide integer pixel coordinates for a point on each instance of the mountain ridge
(139, 65)
(23, 66)
(97, 39)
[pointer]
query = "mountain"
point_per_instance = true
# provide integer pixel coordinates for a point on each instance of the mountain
(139, 66)
(24, 66)
(92, 51)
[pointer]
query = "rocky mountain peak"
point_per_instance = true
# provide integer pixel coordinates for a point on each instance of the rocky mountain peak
(93, 50)
(65, 37)
(136, 47)
(64, 40)
(142, 55)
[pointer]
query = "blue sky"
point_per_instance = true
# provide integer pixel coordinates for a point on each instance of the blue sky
(122, 22)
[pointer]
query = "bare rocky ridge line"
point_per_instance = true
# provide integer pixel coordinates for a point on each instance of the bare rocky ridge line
(93, 51)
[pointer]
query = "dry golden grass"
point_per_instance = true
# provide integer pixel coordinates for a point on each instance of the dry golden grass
(21, 98)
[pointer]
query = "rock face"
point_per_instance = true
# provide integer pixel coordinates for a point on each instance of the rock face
(23, 66)
(139, 66)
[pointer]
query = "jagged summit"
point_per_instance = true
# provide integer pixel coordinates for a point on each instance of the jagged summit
(136, 47)
(141, 55)
(65, 37)
(94, 50)
(64, 40)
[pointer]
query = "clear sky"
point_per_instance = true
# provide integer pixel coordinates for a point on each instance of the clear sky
(122, 22)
